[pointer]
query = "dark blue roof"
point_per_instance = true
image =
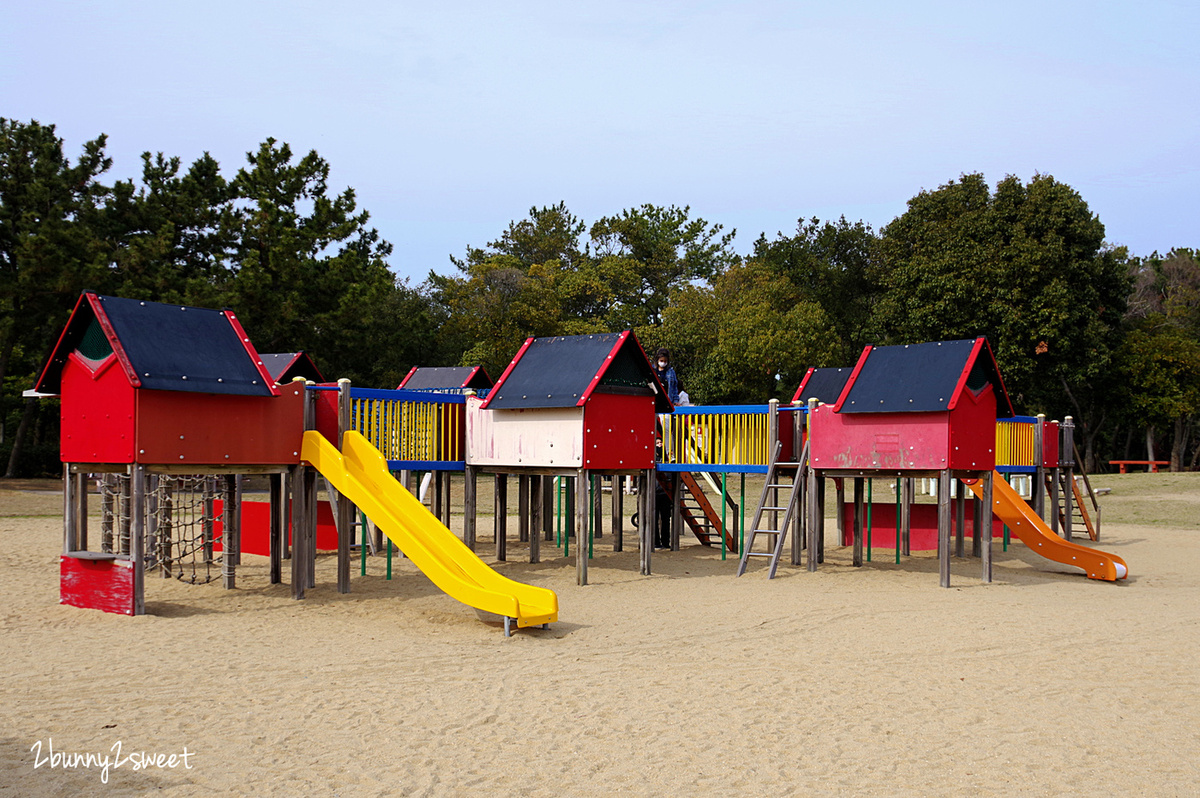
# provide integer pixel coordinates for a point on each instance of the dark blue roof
(446, 378)
(825, 385)
(922, 378)
(167, 347)
(560, 372)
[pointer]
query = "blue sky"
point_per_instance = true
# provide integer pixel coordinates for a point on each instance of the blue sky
(452, 119)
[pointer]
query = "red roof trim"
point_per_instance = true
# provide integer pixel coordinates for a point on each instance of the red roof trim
(106, 325)
(966, 372)
(858, 367)
(500, 382)
(799, 395)
(268, 380)
(407, 377)
(587, 393)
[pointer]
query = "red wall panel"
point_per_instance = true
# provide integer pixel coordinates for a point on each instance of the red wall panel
(618, 431)
(97, 584)
(185, 428)
(97, 414)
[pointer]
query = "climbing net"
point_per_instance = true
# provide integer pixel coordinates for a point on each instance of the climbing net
(181, 531)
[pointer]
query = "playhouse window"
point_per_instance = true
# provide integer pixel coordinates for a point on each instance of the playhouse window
(94, 346)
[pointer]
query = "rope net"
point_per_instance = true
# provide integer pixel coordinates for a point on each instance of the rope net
(181, 525)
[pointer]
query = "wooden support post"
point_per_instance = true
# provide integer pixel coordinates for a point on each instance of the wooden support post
(597, 505)
(582, 537)
(944, 527)
(1066, 458)
(469, 484)
(1055, 506)
(523, 515)
(345, 510)
(978, 518)
(538, 487)
(803, 516)
(569, 509)
(645, 524)
(984, 532)
(278, 527)
(70, 512)
(500, 516)
(675, 495)
(1039, 458)
(299, 506)
(839, 487)
(137, 535)
(816, 518)
(960, 519)
(310, 525)
(618, 522)
(437, 496)
(285, 543)
(229, 543)
(858, 522)
(547, 508)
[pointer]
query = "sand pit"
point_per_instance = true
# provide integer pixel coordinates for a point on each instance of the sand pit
(870, 681)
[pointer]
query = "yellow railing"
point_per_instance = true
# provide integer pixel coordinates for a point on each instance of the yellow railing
(716, 436)
(1014, 442)
(406, 428)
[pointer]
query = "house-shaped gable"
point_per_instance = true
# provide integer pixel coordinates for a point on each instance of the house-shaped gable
(446, 378)
(922, 378)
(287, 366)
(565, 371)
(825, 385)
(159, 347)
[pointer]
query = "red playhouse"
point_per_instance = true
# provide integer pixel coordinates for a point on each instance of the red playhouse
(161, 400)
(577, 406)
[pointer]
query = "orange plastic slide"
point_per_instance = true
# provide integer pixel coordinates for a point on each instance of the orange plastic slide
(360, 473)
(1010, 508)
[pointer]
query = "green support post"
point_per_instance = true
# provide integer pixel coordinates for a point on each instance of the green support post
(724, 523)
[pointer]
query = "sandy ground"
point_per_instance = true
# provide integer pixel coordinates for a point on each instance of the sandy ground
(870, 681)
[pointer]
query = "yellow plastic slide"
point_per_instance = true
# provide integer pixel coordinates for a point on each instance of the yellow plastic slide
(1010, 508)
(360, 473)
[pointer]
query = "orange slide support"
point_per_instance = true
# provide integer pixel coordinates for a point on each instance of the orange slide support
(1010, 508)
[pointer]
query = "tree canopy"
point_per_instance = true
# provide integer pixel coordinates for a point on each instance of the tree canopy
(1079, 327)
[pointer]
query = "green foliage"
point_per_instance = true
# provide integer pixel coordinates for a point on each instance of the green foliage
(1162, 367)
(838, 267)
(657, 250)
(1025, 266)
(749, 338)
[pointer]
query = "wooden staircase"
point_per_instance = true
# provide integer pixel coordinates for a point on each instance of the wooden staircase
(698, 513)
(781, 476)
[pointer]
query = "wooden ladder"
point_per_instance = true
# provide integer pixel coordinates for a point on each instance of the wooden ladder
(776, 537)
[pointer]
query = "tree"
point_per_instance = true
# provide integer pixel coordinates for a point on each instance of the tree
(1160, 362)
(308, 272)
(48, 247)
(837, 265)
(1027, 267)
(657, 250)
(173, 234)
(749, 338)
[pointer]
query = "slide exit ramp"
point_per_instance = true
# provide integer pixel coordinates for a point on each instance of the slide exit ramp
(360, 473)
(1010, 508)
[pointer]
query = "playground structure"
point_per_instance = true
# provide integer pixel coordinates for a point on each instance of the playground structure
(936, 410)
(172, 406)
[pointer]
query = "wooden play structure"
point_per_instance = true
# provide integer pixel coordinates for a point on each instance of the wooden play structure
(936, 411)
(168, 408)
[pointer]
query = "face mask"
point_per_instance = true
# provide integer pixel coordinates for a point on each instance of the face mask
(662, 364)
